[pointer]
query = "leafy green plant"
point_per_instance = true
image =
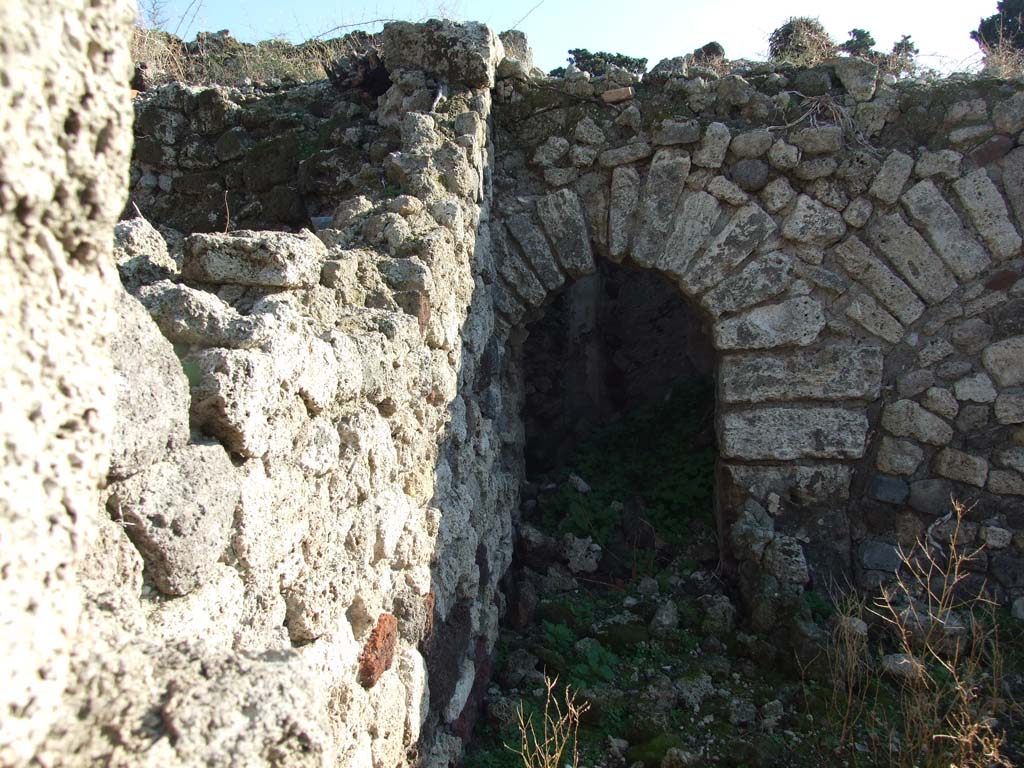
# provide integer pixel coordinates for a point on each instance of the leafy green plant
(598, 63)
(597, 665)
(559, 637)
(653, 455)
(861, 43)
(1005, 27)
(593, 664)
(820, 607)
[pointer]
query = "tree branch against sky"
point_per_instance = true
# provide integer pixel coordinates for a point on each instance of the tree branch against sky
(652, 29)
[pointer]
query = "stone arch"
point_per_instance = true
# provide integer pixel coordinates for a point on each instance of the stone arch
(792, 408)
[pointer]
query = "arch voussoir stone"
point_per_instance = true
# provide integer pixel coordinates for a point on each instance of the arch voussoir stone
(657, 207)
(748, 228)
(517, 274)
(694, 223)
(562, 216)
(863, 266)
(906, 250)
(762, 279)
(535, 250)
(798, 320)
(942, 227)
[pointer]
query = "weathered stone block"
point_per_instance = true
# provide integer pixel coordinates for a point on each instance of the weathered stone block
(961, 253)
(1004, 360)
(731, 193)
(911, 256)
(713, 146)
(271, 259)
(625, 198)
(178, 513)
(1005, 482)
(518, 275)
(188, 316)
(761, 279)
(888, 490)
(1010, 409)
(662, 190)
(536, 249)
(152, 397)
(862, 265)
(807, 484)
(783, 156)
(794, 321)
(960, 466)
(784, 559)
(858, 76)
(693, 226)
(629, 153)
(846, 370)
(751, 144)
(891, 177)
(813, 223)
(905, 418)
(1013, 182)
(793, 433)
(141, 255)
(466, 53)
(944, 163)
(677, 132)
(940, 401)
(988, 211)
(899, 457)
(748, 227)
(878, 555)
(864, 310)
(975, 389)
(819, 141)
(562, 217)
(931, 497)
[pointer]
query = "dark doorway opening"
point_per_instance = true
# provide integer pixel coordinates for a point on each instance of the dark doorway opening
(618, 416)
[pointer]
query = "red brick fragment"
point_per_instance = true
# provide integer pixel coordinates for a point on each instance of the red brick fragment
(379, 651)
(1002, 280)
(428, 626)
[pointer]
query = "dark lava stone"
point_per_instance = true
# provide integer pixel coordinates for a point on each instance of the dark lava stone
(750, 175)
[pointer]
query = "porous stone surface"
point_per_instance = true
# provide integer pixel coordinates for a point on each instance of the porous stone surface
(65, 125)
(151, 400)
(268, 259)
(792, 433)
(464, 54)
(178, 513)
(317, 446)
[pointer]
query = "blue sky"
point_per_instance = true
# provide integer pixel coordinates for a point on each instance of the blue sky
(652, 28)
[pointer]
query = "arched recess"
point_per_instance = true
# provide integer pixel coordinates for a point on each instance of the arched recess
(791, 416)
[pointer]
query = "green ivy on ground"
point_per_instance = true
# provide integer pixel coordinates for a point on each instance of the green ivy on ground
(651, 454)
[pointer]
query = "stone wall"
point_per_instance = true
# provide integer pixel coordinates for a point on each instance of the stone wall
(311, 467)
(211, 159)
(262, 498)
(854, 246)
(65, 131)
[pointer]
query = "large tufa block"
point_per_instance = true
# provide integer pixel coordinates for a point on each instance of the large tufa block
(268, 259)
(178, 513)
(784, 434)
(464, 54)
(151, 410)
